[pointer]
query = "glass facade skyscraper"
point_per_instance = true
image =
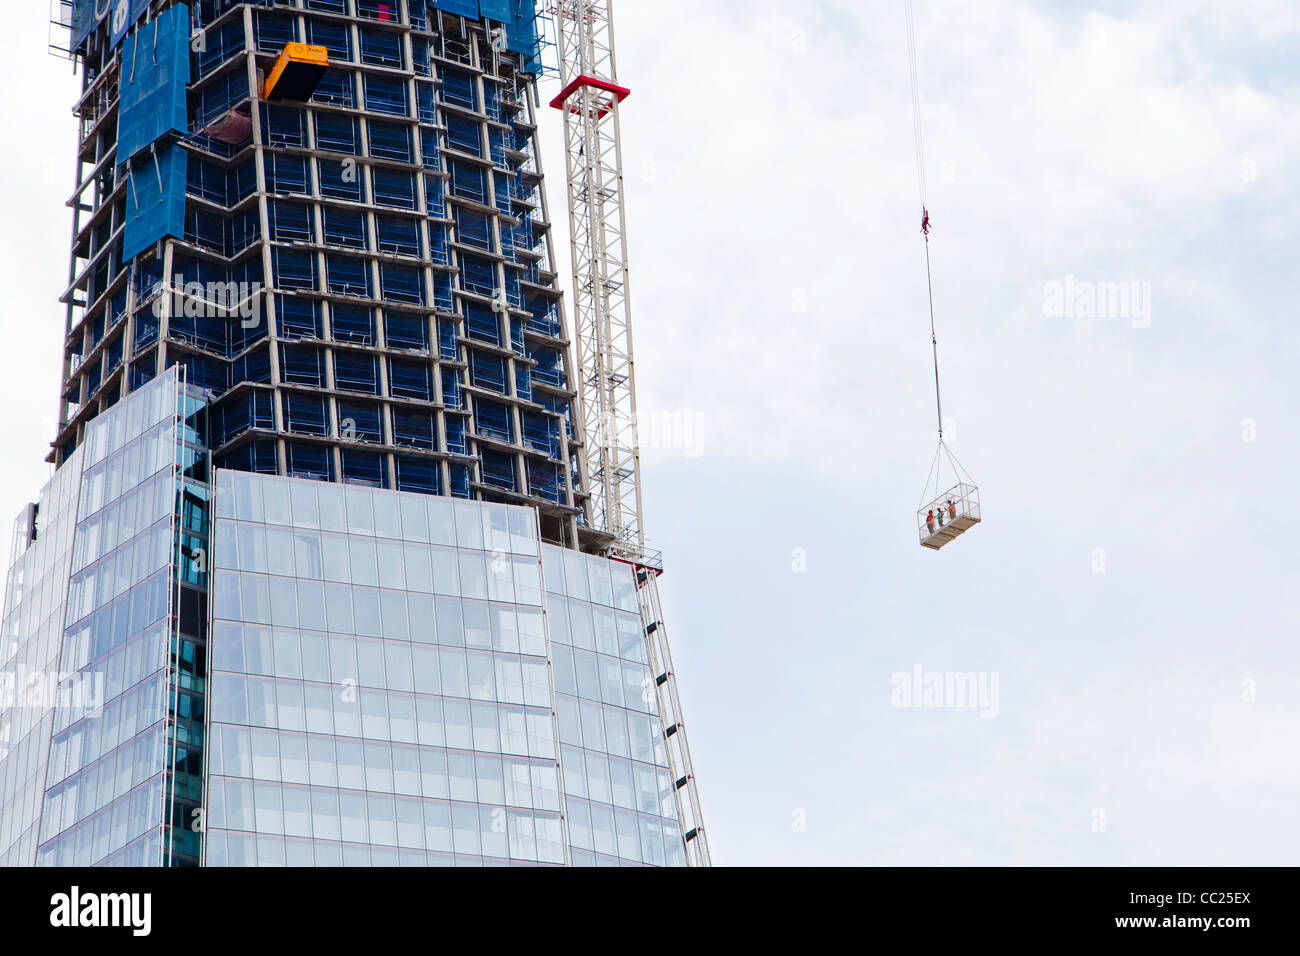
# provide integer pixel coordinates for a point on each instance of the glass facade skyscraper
(311, 584)
(398, 678)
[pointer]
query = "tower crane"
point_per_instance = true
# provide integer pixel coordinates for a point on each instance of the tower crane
(590, 99)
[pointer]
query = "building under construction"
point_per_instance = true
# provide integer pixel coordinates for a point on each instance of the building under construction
(343, 561)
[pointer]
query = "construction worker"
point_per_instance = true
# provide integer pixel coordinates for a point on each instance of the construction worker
(929, 521)
(952, 510)
(940, 517)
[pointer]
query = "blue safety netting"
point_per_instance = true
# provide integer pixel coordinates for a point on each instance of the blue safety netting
(87, 15)
(519, 17)
(155, 74)
(521, 33)
(155, 199)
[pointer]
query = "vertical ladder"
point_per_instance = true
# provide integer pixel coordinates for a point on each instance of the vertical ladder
(685, 792)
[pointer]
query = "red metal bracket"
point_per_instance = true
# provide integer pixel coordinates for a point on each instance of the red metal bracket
(620, 92)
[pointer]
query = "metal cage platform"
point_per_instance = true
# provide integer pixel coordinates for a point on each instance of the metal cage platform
(948, 516)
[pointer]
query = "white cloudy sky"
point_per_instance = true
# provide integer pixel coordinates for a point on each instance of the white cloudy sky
(1147, 713)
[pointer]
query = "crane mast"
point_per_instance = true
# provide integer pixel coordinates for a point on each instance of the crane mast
(590, 100)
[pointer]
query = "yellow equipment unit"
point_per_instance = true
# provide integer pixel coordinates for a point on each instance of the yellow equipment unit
(296, 73)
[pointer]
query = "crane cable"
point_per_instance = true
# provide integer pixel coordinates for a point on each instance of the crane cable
(919, 134)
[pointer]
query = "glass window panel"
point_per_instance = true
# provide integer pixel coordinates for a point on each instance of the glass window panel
(456, 724)
(587, 667)
(266, 801)
(446, 571)
(311, 605)
(322, 763)
(393, 612)
(297, 811)
(370, 663)
(611, 680)
(478, 624)
(450, 627)
(491, 786)
(239, 805)
(419, 570)
(252, 547)
(575, 574)
(581, 629)
(420, 608)
(387, 518)
(303, 506)
(620, 779)
(580, 825)
(236, 752)
(437, 825)
(602, 828)
(261, 702)
(365, 609)
(469, 525)
(473, 574)
(351, 766)
(428, 722)
(397, 662)
(575, 771)
(410, 824)
(415, 518)
(374, 714)
(336, 563)
(406, 770)
(433, 773)
(324, 814)
(288, 655)
(338, 609)
(361, 518)
(365, 570)
(451, 667)
(347, 710)
(391, 560)
(616, 732)
(631, 638)
(352, 817)
(553, 564)
(284, 602)
(255, 596)
(333, 516)
(379, 766)
(307, 556)
(279, 551)
(320, 709)
(606, 635)
(424, 669)
(227, 647)
(289, 706)
(460, 772)
(629, 837)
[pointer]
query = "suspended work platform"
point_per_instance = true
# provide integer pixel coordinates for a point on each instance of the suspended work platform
(950, 515)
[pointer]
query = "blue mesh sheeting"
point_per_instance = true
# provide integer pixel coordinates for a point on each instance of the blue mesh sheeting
(466, 8)
(89, 14)
(521, 36)
(155, 73)
(498, 10)
(155, 209)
